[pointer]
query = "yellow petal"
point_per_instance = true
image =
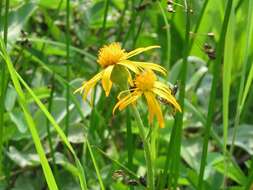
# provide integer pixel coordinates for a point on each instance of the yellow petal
(124, 102)
(130, 80)
(123, 93)
(128, 64)
(140, 50)
(132, 99)
(106, 82)
(154, 109)
(151, 107)
(120, 102)
(150, 66)
(169, 97)
(159, 114)
(88, 85)
(162, 86)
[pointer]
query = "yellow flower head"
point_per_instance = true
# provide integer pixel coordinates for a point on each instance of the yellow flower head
(111, 55)
(147, 85)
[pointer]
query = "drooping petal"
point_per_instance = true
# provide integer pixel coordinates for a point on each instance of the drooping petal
(159, 114)
(139, 50)
(168, 97)
(150, 66)
(124, 93)
(128, 99)
(106, 81)
(128, 64)
(154, 109)
(130, 80)
(120, 102)
(88, 85)
(162, 86)
(151, 106)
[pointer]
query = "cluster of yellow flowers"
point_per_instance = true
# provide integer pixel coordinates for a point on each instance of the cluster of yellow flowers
(110, 58)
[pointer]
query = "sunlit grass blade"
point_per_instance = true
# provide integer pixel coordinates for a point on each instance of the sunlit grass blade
(68, 67)
(177, 137)
(211, 106)
(227, 68)
(59, 131)
(29, 119)
(95, 166)
(247, 86)
(242, 93)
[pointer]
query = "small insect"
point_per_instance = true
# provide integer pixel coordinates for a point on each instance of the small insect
(24, 40)
(210, 51)
(132, 182)
(143, 181)
(170, 7)
(174, 90)
(118, 174)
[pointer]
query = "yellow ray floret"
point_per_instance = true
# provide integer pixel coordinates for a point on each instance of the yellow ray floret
(111, 55)
(147, 85)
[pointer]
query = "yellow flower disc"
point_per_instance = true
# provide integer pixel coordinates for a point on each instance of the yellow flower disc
(111, 54)
(145, 81)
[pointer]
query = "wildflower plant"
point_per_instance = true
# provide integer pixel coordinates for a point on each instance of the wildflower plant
(117, 68)
(109, 57)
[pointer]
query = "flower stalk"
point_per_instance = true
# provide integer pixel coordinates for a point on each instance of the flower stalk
(147, 152)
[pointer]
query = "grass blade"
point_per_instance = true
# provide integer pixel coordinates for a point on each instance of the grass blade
(241, 93)
(175, 165)
(211, 106)
(95, 166)
(29, 119)
(227, 67)
(59, 131)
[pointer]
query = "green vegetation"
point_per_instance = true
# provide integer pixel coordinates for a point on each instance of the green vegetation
(53, 138)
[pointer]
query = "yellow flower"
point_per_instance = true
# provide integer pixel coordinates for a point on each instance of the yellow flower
(111, 55)
(147, 85)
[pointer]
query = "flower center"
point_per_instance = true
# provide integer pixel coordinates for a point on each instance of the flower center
(110, 54)
(145, 80)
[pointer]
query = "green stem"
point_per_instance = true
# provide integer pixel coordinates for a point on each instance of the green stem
(139, 29)
(199, 21)
(130, 148)
(68, 66)
(132, 26)
(150, 174)
(4, 82)
(6, 22)
(121, 20)
(106, 7)
(211, 106)
(50, 142)
(167, 33)
(175, 165)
